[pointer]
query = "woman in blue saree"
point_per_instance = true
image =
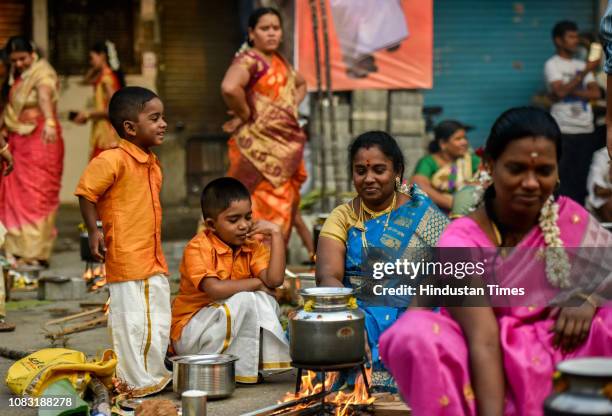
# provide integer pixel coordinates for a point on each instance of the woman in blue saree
(385, 219)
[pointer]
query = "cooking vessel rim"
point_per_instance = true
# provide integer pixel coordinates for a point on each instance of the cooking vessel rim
(204, 359)
(327, 291)
(595, 367)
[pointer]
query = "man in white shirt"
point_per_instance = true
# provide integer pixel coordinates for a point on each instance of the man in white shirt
(572, 85)
(599, 183)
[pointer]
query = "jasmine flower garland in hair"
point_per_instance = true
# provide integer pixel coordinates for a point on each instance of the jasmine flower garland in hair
(113, 59)
(557, 262)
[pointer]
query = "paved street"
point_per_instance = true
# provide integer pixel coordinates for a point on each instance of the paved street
(29, 314)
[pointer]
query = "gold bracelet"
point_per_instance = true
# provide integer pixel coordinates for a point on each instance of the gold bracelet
(4, 149)
(588, 299)
(50, 122)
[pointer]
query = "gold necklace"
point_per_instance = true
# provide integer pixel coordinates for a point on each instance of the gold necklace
(498, 238)
(374, 214)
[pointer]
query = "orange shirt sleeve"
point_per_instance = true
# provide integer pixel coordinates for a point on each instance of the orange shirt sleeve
(98, 176)
(260, 259)
(199, 261)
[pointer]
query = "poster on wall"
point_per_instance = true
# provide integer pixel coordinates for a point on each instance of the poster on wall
(384, 44)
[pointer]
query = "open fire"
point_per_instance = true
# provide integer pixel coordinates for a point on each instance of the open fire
(341, 403)
(95, 276)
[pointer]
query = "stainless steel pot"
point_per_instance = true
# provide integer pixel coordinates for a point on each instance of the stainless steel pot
(582, 387)
(329, 329)
(212, 373)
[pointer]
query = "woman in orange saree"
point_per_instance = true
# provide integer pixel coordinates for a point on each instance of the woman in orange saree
(262, 91)
(29, 196)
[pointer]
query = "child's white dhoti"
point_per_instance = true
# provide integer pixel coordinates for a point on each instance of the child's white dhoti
(139, 320)
(245, 325)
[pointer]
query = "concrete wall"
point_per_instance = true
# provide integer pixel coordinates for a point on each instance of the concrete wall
(398, 112)
(73, 97)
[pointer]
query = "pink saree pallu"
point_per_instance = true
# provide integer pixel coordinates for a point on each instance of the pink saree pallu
(29, 196)
(428, 354)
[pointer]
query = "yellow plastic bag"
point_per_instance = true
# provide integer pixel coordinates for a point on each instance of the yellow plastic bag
(33, 374)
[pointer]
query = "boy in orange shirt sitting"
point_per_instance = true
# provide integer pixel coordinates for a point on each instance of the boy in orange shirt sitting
(226, 298)
(122, 186)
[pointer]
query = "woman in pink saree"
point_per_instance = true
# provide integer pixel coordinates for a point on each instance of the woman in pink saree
(492, 360)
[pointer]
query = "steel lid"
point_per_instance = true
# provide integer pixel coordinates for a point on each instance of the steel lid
(204, 359)
(587, 367)
(327, 291)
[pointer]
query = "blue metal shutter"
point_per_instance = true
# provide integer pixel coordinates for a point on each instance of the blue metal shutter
(489, 55)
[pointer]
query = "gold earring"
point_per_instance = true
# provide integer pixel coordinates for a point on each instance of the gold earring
(398, 183)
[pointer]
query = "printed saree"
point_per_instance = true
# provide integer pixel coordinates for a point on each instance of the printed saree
(266, 152)
(422, 340)
(29, 196)
(415, 225)
(450, 177)
(103, 135)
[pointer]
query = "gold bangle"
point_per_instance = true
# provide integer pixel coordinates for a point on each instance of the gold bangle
(4, 149)
(588, 299)
(50, 122)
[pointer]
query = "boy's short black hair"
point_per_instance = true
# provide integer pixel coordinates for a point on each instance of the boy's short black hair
(218, 195)
(562, 27)
(126, 104)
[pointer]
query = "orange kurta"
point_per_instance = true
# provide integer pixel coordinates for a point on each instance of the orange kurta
(208, 256)
(124, 183)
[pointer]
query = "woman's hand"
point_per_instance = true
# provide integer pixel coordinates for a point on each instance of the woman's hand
(232, 125)
(6, 162)
(49, 134)
(81, 117)
(572, 325)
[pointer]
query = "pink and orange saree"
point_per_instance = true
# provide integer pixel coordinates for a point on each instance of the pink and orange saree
(266, 152)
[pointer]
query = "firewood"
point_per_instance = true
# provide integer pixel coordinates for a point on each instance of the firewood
(391, 409)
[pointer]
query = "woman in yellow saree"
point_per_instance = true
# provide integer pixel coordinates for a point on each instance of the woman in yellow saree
(262, 91)
(106, 78)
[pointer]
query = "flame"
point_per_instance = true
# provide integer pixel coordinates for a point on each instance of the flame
(342, 400)
(88, 274)
(359, 396)
(101, 282)
(95, 276)
(99, 270)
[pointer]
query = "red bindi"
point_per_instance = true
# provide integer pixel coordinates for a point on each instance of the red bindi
(367, 163)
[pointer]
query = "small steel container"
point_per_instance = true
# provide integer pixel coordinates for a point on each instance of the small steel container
(193, 403)
(212, 373)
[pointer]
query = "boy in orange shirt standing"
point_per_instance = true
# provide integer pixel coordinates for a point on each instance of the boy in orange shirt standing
(225, 302)
(122, 186)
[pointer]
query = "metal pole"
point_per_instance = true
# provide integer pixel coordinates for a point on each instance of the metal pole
(332, 109)
(319, 105)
